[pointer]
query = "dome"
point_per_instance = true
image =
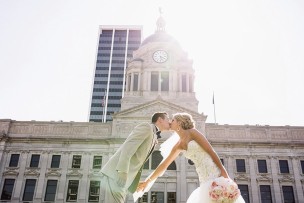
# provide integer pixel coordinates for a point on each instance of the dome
(159, 36)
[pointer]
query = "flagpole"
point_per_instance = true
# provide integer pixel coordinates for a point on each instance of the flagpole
(213, 108)
(103, 107)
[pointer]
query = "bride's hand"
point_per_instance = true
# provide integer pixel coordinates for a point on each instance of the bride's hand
(225, 174)
(141, 186)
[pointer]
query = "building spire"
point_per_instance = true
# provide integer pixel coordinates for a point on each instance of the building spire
(160, 23)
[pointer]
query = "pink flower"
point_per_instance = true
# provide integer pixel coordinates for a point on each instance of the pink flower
(223, 190)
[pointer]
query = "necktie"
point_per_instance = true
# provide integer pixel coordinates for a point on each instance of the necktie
(158, 134)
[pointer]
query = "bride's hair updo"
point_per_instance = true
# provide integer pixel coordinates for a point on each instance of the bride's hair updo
(185, 120)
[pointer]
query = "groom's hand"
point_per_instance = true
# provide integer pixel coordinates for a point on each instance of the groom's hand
(122, 179)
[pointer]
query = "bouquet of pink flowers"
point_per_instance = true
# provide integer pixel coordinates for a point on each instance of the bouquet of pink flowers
(223, 190)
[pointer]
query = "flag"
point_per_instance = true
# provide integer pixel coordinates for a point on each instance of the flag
(213, 99)
(103, 102)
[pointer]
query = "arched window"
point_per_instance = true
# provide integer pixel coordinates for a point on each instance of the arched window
(155, 160)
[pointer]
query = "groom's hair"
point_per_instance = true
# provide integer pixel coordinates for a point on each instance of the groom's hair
(156, 115)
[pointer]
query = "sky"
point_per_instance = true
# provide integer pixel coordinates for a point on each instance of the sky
(249, 54)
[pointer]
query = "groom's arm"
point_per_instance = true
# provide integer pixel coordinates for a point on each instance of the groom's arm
(140, 134)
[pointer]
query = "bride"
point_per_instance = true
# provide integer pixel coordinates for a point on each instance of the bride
(194, 145)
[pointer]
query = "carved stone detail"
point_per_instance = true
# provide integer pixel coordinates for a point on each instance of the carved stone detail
(286, 178)
(242, 177)
(264, 177)
(32, 172)
(53, 172)
(11, 171)
(74, 173)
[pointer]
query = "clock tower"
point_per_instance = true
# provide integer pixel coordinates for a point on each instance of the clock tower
(160, 69)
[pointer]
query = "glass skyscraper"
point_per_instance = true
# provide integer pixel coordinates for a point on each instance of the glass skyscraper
(116, 44)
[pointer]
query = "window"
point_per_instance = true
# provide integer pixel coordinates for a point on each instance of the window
(155, 160)
(222, 160)
(135, 82)
(262, 166)
(184, 83)
(284, 166)
(244, 192)
(7, 189)
(55, 161)
(265, 194)
(144, 198)
(97, 161)
(35, 160)
(302, 166)
(129, 82)
(191, 83)
(240, 165)
(72, 191)
(165, 81)
(171, 197)
(94, 191)
(29, 190)
(288, 194)
(50, 191)
(154, 81)
(14, 160)
(76, 161)
(157, 197)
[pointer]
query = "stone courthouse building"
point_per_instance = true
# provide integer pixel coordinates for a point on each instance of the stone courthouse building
(60, 161)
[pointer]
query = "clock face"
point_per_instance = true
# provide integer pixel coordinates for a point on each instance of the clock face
(160, 56)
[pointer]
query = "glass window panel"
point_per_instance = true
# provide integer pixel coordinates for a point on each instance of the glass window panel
(288, 194)
(55, 161)
(284, 166)
(265, 194)
(14, 160)
(157, 197)
(50, 191)
(171, 197)
(35, 160)
(244, 192)
(94, 191)
(262, 166)
(135, 82)
(184, 83)
(240, 165)
(76, 161)
(72, 191)
(97, 161)
(29, 190)
(7, 189)
(154, 81)
(165, 81)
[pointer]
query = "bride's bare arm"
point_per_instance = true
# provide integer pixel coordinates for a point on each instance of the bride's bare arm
(204, 143)
(161, 167)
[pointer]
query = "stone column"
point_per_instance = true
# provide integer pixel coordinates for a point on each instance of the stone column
(83, 182)
(63, 185)
(41, 179)
(276, 184)
(253, 179)
(230, 166)
(17, 195)
(182, 179)
(297, 178)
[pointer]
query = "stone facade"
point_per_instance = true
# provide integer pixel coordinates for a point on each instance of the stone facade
(87, 139)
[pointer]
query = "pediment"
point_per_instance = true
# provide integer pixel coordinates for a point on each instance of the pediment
(146, 110)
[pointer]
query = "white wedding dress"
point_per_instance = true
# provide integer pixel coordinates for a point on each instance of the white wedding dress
(206, 170)
(205, 167)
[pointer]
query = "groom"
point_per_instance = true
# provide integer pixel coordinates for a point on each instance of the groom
(122, 171)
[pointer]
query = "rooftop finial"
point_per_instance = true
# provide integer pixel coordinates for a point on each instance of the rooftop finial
(161, 24)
